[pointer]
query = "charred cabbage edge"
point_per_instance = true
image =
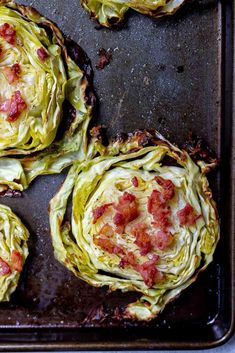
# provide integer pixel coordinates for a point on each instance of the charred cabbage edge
(112, 12)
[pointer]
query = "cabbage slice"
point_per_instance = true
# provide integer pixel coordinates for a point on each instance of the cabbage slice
(13, 251)
(103, 180)
(30, 144)
(112, 12)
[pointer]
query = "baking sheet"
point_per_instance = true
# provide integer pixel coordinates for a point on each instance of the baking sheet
(166, 74)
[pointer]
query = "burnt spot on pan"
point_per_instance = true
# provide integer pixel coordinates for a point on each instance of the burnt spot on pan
(105, 56)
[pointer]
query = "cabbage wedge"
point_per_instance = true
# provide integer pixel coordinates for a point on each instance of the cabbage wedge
(13, 251)
(143, 219)
(112, 12)
(45, 97)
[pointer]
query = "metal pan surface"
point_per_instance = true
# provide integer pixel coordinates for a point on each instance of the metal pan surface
(175, 75)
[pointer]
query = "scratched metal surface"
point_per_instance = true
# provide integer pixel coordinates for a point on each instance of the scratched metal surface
(164, 74)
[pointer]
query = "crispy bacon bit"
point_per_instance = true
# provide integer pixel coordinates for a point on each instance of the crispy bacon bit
(187, 215)
(42, 54)
(106, 230)
(4, 268)
(126, 210)
(13, 106)
(17, 261)
(157, 203)
(161, 218)
(1, 50)
(126, 197)
(120, 229)
(157, 206)
(168, 187)
(159, 198)
(118, 219)
(105, 57)
(12, 73)
(99, 211)
(8, 32)
(162, 239)
(18, 105)
(108, 245)
(143, 239)
(148, 271)
(128, 259)
(105, 243)
(135, 182)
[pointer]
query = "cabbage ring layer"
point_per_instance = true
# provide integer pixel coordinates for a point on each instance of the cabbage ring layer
(139, 223)
(13, 251)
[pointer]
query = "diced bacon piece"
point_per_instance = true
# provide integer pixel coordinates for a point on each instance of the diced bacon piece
(126, 197)
(104, 242)
(108, 245)
(135, 182)
(130, 213)
(158, 199)
(155, 201)
(126, 209)
(4, 268)
(99, 211)
(161, 218)
(187, 215)
(15, 107)
(120, 229)
(148, 271)
(17, 261)
(107, 230)
(158, 203)
(128, 259)
(1, 50)
(16, 68)
(12, 73)
(168, 187)
(42, 54)
(143, 239)
(8, 32)
(162, 240)
(119, 219)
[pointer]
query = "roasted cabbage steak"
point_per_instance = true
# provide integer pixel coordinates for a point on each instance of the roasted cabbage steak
(45, 97)
(143, 219)
(112, 12)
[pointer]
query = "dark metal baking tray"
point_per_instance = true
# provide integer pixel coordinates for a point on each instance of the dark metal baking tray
(174, 74)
